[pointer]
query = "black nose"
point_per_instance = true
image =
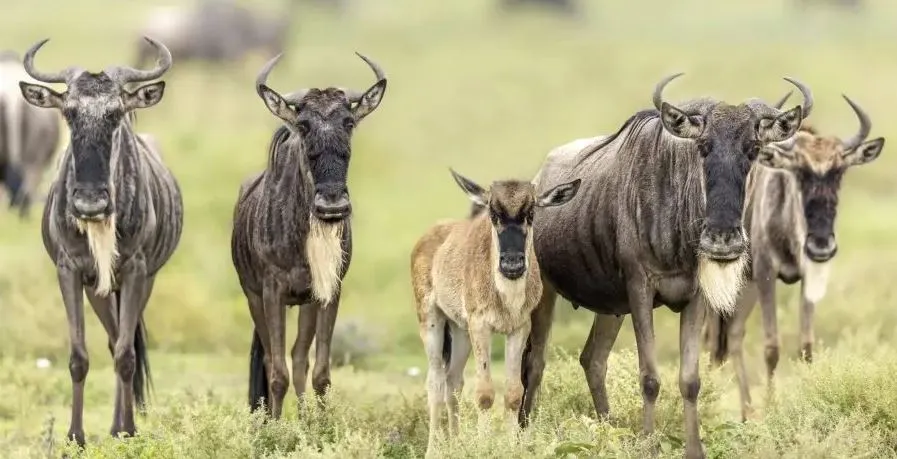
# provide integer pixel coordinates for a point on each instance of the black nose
(820, 248)
(91, 203)
(512, 265)
(722, 244)
(332, 202)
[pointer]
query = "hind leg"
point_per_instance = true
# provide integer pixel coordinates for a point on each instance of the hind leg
(534, 354)
(593, 358)
(460, 352)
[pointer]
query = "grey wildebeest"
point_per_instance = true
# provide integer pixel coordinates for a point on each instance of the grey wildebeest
(215, 31)
(113, 218)
(474, 277)
(29, 136)
(790, 216)
(292, 238)
(657, 222)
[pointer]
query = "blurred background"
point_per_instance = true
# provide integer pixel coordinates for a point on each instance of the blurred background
(485, 86)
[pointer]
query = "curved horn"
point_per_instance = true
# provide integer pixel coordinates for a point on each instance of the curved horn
(355, 96)
(658, 90)
(59, 77)
(807, 106)
(865, 126)
(778, 105)
(132, 75)
(262, 78)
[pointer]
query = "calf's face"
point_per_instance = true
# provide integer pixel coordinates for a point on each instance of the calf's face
(510, 205)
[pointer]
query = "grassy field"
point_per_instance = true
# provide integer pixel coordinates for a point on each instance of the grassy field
(489, 95)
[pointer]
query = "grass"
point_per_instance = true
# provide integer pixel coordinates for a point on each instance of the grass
(489, 95)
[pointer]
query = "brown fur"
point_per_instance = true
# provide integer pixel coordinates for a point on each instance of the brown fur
(459, 287)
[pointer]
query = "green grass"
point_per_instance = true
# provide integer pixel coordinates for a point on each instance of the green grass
(489, 95)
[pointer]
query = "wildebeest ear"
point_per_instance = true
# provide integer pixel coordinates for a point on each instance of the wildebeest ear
(475, 192)
(781, 127)
(679, 123)
(277, 105)
(559, 194)
(41, 96)
(145, 96)
(776, 158)
(866, 152)
(370, 100)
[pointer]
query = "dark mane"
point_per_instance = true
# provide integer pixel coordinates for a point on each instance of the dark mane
(277, 139)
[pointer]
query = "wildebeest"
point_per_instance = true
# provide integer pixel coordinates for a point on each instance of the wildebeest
(216, 31)
(478, 276)
(113, 218)
(790, 215)
(657, 222)
(29, 136)
(292, 238)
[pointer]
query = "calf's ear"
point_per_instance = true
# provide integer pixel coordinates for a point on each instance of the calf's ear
(475, 192)
(559, 194)
(866, 152)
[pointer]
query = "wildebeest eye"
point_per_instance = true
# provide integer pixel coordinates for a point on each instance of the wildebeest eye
(349, 122)
(703, 147)
(753, 149)
(304, 126)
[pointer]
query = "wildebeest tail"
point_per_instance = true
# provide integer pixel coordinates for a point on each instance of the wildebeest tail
(447, 345)
(258, 378)
(716, 335)
(142, 378)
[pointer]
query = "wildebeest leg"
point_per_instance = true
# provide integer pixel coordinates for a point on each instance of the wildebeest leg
(640, 303)
(259, 387)
(308, 319)
(690, 321)
(104, 307)
(71, 287)
(593, 358)
(766, 286)
(436, 380)
(275, 318)
(481, 340)
(534, 355)
(455, 375)
(131, 304)
(30, 181)
(735, 336)
(807, 309)
(514, 346)
(320, 378)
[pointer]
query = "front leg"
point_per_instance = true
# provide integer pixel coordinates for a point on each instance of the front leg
(641, 305)
(514, 346)
(320, 380)
(807, 309)
(71, 287)
(534, 353)
(275, 319)
(481, 340)
(766, 289)
(436, 378)
(133, 286)
(690, 321)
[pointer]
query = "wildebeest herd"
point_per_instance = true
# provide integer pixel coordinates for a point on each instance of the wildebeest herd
(700, 207)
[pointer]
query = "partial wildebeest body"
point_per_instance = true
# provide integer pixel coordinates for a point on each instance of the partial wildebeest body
(292, 239)
(479, 276)
(216, 31)
(29, 136)
(113, 218)
(657, 222)
(790, 214)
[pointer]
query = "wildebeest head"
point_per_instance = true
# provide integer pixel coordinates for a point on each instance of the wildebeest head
(94, 106)
(322, 122)
(510, 204)
(729, 138)
(818, 163)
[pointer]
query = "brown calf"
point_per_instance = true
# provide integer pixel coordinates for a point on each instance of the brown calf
(790, 214)
(478, 276)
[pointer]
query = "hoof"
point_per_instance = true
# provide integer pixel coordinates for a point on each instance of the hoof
(77, 437)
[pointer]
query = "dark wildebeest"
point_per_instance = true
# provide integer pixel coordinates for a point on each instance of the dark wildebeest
(216, 31)
(479, 276)
(113, 218)
(29, 136)
(292, 237)
(657, 222)
(790, 216)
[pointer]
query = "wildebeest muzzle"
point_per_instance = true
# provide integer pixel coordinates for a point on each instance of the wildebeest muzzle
(331, 201)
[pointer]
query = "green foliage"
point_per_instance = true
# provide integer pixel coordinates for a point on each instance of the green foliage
(489, 95)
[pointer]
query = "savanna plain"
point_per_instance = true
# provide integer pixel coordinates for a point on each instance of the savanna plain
(488, 94)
